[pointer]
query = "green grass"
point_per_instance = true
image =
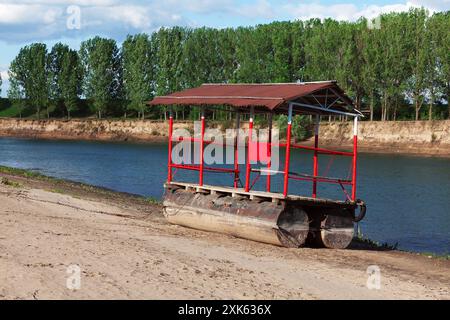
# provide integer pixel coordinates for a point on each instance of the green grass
(10, 183)
(22, 173)
(152, 200)
(9, 112)
(361, 239)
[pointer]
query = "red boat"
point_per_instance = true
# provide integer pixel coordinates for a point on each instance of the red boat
(272, 216)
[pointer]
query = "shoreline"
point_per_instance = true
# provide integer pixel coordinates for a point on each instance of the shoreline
(127, 250)
(87, 190)
(380, 149)
(417, 138)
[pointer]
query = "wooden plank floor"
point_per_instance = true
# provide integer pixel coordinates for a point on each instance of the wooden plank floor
(253, 195)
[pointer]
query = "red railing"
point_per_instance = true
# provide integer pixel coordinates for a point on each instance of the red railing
(315, 178)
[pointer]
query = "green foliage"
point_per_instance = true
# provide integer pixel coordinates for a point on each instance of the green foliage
(65, 77)
(28, 72)
(301, 127)
(282, 122)
(138, 71)
(393, 71)
(101, 61)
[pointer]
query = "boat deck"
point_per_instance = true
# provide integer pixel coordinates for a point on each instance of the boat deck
(259, 195)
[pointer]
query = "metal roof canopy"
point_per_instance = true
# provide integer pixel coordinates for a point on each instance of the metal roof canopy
(322, 97)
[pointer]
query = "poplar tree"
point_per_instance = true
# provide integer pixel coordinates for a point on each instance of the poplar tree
(101, 63)
(29, 70)
(65, 75)
(138, 72)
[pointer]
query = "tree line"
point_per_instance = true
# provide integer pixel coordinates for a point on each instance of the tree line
(399, 70)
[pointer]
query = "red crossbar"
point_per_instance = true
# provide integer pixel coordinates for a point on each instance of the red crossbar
(321, 179)
(319, 150)
(197, 168)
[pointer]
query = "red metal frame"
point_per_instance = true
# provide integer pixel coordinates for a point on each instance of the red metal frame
(169, 161)
(316, 159)
(236, 151)
(355, 157)
(315, 178)
(202, 147)
(269, 152)
(248, 165)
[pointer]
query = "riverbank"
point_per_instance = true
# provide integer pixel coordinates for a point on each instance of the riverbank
(428, 138)
(125, 249)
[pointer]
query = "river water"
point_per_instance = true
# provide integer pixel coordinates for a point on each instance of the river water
(408, 197)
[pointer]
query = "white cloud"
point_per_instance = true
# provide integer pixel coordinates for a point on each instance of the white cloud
(26, 20)
(4, 74)
(432, 5)
(22, 13)
(351, 12)
(260, 9)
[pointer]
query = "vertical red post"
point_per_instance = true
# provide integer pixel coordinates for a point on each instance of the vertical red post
(288, 152)
(355, 157)
(247, 165)
(269, 152)
(202, 144)
(236, 154)
(169, 161)
(316, 159)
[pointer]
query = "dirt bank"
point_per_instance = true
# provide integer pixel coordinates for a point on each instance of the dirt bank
(125, 249)
(408, 137)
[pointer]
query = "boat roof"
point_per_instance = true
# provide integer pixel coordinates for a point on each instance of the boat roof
(321, 97)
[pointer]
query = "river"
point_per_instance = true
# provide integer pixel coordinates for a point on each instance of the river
(408, 197)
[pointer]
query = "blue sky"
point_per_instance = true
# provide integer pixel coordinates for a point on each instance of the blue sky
(51, 21)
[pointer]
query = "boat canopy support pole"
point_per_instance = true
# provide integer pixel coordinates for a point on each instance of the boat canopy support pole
(355, 156)
(236, 152)
(288, 151)
(248, 166)
(202, 145)
(316, 159)
(269, 152)
(169, 161)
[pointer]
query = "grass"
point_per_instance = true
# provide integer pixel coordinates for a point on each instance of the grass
(56, 190)
(152, 200)
(10, 183)
(23, 173)
(9, 112)
(361, 239)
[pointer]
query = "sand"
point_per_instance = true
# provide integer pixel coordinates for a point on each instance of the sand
(126, 250)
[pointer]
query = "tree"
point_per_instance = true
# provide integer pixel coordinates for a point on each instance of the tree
(101, 64)
(16, 94)
(370, 67)
(419, 58)
(440, 25)
(138, 72)
(65, 75)
(394, 45)
(29, 69)
(169, 50)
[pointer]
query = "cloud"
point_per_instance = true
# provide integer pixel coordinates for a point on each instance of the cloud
(4, 75)
(24, 21)
(47, 20)
(351, 12)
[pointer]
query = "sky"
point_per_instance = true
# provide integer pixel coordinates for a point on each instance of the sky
(72, 21)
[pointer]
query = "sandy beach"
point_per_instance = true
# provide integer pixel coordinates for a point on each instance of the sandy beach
(126, 250)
